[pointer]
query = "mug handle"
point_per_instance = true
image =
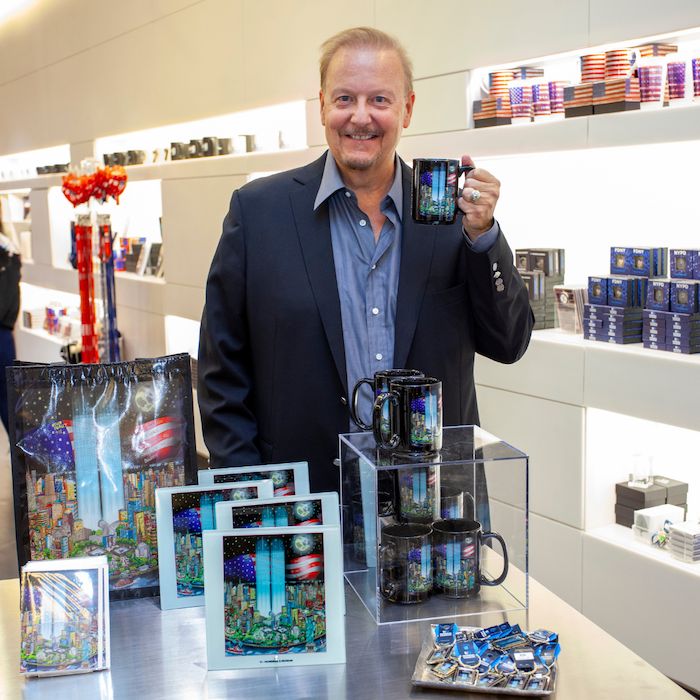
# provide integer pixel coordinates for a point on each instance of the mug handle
(497, 581)
(377, 419)
(463, 170)
(634, 64)
(353, 404)
(388, 587)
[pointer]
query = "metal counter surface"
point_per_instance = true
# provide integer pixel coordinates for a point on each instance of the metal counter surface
(161, 655)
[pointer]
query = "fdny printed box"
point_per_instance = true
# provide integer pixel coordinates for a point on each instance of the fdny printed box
(643, 262)
(618, 261)
(659, 295)
(684, 297)
(684, 263)
(598, 290)
(622, 291)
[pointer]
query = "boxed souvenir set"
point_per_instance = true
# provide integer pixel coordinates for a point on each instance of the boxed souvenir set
(542, 269)
(64, 614)
(661, 313)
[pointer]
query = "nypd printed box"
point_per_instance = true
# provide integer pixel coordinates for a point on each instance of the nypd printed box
(684, 296)
(684, 263)
(659, 295)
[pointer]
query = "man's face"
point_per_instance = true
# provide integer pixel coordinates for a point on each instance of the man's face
(364, 108)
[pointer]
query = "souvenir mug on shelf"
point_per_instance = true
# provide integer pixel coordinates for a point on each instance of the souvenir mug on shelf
(436, 190)
(680, 80)
(418, 488)
(415, 416)
(457, 558)
(379, 385)
(621, 63)
(521, 100)
(405, 563)
(495, 84)
(592, 67)
(652, 80)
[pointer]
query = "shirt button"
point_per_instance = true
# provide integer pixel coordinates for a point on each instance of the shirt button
(347, 194)
(375, 311)
(374, 267)
(379, 355)
(363, 222)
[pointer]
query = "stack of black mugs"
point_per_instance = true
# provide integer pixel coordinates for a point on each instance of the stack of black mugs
(430, 540)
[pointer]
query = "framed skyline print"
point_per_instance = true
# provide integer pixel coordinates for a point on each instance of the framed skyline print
(274, 597)
(302, 511)
(183, 513)
(289, 479)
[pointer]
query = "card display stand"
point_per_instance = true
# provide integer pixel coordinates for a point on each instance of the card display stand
(475, 476)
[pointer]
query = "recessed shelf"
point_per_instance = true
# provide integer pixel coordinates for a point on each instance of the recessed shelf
(624, 537)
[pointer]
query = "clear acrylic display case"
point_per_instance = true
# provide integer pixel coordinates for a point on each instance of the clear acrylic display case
(475, 476)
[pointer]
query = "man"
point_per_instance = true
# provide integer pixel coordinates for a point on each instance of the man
(321, 277)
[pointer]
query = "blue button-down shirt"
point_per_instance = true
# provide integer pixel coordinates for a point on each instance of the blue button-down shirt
(367, 274)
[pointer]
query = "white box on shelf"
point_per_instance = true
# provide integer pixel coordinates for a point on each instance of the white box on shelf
(650, 521)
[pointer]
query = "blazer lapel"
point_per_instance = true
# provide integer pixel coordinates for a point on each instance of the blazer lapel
(417, 242)
(314, 231)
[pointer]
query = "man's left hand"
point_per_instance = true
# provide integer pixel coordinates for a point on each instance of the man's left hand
(478, 215)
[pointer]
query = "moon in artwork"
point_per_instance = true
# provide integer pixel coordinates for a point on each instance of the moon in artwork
(303, 510)
(145, 398)
(302, 544)
(278, 479)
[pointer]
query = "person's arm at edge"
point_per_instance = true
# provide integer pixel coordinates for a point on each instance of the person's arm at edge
(224, 385)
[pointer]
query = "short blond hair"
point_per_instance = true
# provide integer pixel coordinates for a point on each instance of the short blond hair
(365, 38)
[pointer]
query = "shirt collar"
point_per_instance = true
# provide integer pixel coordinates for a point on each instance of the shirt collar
(331, 182)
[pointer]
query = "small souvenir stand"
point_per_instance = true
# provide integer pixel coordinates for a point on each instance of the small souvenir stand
(474, 477)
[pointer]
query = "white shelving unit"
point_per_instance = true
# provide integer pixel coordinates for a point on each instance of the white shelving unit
(577, 408)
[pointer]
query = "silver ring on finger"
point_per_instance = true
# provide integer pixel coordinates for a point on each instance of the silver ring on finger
(474, 196)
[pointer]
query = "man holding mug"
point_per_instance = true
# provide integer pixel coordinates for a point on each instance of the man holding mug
(321, 277)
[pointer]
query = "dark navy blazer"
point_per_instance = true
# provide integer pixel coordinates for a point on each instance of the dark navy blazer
(272, 380)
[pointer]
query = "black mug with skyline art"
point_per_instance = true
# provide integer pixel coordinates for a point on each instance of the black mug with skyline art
(379, 385)
(415, 416)
(405, 565)
(436, 190)
(457, 558)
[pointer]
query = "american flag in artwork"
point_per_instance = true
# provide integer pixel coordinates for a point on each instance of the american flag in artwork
(305, 568)
(468, 551)
(158, 440)
(51, 444)
(286, 490)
